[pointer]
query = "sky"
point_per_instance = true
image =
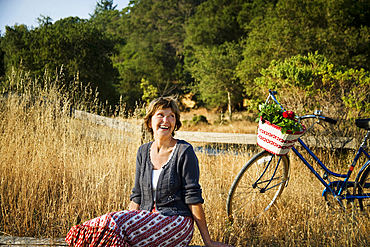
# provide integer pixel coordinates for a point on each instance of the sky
(27, 11)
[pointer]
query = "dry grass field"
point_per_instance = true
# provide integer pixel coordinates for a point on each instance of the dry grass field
(57, 171)
(238, 125)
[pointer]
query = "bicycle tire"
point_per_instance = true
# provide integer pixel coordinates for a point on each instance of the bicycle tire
(364, 189)
(245, 201)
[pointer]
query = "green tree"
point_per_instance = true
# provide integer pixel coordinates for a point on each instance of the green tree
(215, 71)
(14, 45)
(102, 6)
(214, 23)
(337, 29)
(2, 67)
(220, 21)
(346, 40)
(150, 92)
(154, 31)
(217, 22)
(70, 43)
(307, 83)
(105, 17)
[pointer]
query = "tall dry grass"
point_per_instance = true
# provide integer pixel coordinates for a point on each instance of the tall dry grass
(300, 218)
(57, 171)
(242, 122)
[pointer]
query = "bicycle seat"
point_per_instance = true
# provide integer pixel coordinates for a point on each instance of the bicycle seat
(363, 123)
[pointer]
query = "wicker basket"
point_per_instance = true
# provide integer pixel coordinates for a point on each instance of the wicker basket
(270, 138)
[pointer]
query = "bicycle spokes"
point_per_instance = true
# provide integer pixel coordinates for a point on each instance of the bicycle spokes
(257, 186)
(263, 190)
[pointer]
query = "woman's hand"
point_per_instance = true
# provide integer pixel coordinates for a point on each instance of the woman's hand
(216, 244)
(200, 220)
(133, 206)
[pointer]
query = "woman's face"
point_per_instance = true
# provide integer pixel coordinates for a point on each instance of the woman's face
(163, 123)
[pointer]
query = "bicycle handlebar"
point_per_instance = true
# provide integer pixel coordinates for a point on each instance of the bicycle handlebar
(272, 92)
(317, 114)
(325, 119)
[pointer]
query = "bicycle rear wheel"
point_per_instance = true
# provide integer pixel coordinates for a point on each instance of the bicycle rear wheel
(257, 186)
(364, 190)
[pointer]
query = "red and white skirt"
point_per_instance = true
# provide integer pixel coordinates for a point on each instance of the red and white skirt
(133, 228)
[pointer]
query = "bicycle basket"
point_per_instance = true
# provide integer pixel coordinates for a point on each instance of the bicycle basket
(270, 138)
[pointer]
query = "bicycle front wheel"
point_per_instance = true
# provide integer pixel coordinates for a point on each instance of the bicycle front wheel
(364, 190)
(257, 186)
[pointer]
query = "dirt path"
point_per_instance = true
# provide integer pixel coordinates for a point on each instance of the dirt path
(31, 242)
(35, 242)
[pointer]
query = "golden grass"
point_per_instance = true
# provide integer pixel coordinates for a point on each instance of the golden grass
(301, 217)
(57, 171)
(238, 125)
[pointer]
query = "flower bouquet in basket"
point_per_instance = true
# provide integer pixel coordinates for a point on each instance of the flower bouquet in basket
(278, 130)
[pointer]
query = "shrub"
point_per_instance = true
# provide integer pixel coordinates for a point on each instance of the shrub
(196, 120)
(306, 83)
(199, 119)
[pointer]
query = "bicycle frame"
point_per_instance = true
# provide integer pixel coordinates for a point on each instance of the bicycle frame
(263, 190)
(341, 185)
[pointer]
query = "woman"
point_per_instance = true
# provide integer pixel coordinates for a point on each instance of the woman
(166, 197)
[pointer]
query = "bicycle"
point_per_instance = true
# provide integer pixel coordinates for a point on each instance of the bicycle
(263, 178)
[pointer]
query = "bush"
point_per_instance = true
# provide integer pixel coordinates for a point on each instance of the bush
(199, 119)
(306, 83)
(195, 121)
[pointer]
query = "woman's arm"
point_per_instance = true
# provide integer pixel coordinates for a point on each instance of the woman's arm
(136, 191)
(200, 220)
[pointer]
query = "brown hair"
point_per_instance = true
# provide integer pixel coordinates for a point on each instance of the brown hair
(162, 103)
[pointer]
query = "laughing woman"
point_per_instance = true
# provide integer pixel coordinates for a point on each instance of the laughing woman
(166, 198)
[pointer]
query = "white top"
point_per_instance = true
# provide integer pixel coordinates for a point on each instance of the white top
(156, 173)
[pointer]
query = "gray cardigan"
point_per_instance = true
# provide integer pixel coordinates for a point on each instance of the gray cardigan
(178, 183)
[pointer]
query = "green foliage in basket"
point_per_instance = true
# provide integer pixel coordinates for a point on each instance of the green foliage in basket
(284, 119)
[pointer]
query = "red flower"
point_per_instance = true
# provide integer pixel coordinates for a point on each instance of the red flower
(288, 114)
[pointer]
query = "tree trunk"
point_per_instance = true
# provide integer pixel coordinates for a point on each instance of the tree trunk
(229, 105)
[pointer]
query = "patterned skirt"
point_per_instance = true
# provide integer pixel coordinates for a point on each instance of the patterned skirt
(133, 228)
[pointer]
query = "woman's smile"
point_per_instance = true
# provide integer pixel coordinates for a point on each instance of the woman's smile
(163, 121)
